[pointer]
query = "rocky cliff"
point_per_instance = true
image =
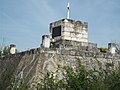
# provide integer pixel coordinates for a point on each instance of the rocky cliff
(30, 66)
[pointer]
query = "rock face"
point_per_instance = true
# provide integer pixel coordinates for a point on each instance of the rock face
(30, 66)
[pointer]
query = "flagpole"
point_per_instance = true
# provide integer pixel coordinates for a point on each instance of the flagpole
(68, 8)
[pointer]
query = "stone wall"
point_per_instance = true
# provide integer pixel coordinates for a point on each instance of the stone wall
(70, 30)
(31, 65)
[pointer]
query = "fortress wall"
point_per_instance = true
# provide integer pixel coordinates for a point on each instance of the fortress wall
(31, 65)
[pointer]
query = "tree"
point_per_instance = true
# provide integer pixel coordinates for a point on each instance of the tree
(5, 51)
(1, 47)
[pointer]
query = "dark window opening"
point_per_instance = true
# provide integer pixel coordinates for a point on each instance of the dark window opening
(56, 31)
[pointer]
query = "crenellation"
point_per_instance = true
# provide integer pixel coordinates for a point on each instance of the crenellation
(68, 50)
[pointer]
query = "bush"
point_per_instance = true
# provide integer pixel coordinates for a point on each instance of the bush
(5, 51)
(82, 79)
(103, 50)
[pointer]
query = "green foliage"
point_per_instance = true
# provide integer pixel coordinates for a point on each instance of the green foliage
(103, 50)
(82, 79)
(5, 51)
(19, 85)
(49, 83)
(7, 68)
(7, 76)
(78, 78)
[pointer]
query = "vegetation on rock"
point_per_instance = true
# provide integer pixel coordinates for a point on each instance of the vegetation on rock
(5, 51)
(103, 50)
(78, 78)
(82, 79)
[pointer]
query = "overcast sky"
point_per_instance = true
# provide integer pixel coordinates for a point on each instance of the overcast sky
(23, 22)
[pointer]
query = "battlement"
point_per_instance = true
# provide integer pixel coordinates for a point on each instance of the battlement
(70, 21)
(82, 52)
(71, 34)
(72, 44)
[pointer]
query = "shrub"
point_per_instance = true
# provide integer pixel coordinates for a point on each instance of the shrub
(103, 50)
(82, 79)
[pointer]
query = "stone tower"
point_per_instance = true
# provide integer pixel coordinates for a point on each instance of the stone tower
(67, 33)
(68, 30)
